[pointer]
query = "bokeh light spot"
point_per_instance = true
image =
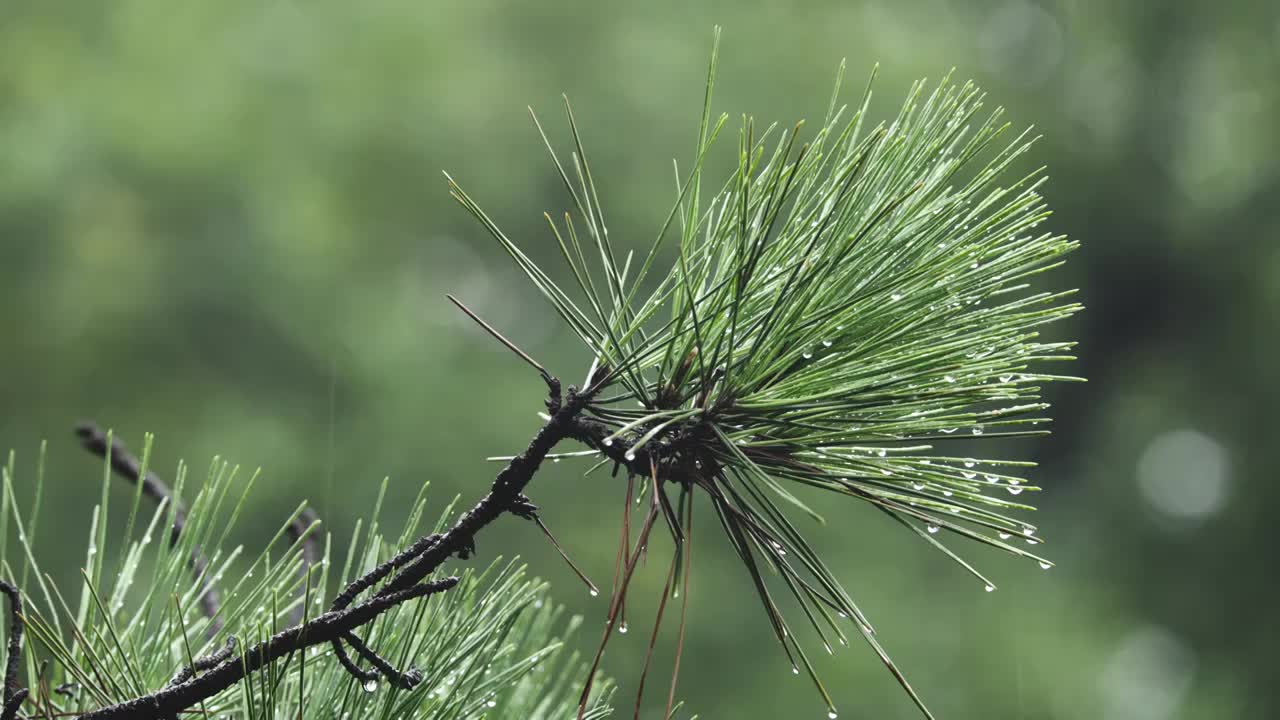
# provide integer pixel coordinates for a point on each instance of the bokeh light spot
(1184, 474)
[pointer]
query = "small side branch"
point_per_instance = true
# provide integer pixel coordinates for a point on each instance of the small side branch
(13, 695)
(127, 466)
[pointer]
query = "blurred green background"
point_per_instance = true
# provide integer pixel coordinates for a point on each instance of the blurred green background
(225, 222)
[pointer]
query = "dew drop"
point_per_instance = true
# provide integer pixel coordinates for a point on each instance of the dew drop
(1028, 530)
(555, 460)
(832, 715)
(990, 588)
(946, 493)
(968, 475)
(622, 628)
(1014, 490)
(992, 478)
(491, 703)
(370, 685)
(970, 463)
(795, 670)
(895, 297)
(807, 356)
(949, 378)
(1004, 536)
(977, 429)
(931, 528)
(1045, 565)
(947, 431)
(826, 343)
(917, 486)
(881, 453)
(594, 592)
(608, 442)
(630, 456)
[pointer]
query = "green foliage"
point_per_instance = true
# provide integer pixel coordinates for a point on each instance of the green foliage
(838, 308)
(491, 647)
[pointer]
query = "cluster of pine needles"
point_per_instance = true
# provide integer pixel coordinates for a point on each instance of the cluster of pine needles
(838, 311)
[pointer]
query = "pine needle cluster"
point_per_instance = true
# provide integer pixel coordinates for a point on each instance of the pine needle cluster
(492, 646)
(833, 314)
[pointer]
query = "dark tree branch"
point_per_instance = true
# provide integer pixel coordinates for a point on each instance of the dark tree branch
(324, 628)
(411, 567)
(13, 695)
(128, 467)
(207, 662)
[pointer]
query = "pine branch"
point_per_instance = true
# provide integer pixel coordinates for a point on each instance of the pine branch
(837, 308)
(414, 565)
